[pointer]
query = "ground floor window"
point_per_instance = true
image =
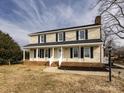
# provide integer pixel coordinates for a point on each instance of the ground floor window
(44, 53)
(87, 52)
(75, 52)
(41, 53)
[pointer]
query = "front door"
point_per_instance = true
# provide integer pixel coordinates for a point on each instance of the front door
(58, 52)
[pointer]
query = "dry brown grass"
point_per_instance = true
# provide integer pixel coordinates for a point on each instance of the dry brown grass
(32, 79)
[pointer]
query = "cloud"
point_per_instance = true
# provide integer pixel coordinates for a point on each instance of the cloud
(16, 32)
(36, 15)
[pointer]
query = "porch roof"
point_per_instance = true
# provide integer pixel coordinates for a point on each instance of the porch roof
(65, 43)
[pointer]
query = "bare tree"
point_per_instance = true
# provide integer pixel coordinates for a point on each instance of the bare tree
(112, 12)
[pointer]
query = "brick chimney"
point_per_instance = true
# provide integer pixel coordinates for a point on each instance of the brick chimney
(98, 20)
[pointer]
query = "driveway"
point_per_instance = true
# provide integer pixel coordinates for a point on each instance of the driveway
(118, 72)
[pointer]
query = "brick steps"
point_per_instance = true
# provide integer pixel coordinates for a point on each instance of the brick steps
(55, 64)
(82, 66)
(40, 63)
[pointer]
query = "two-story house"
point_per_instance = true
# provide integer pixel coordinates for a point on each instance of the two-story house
(73, 44)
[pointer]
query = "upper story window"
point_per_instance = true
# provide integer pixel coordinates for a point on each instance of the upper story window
(81, 35)
(41, 38)
(60, 37)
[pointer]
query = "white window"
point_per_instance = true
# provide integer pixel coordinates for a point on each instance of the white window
(41, 53)
(41, 38)
(75, 52)
(81, 35)
(46, 53)
(87, 52)
(60, 37)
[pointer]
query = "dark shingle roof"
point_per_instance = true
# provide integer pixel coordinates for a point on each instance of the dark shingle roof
(66, 42)
(65, 28)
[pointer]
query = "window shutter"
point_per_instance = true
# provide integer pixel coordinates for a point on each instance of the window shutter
(86, 34)
(38, 38)
(34, 53)
(70, 52)
(49, 53)
(42, 53)
(63, 36)
(77, 35)
(56, 37)
(38, 52)
(91, 51)
(82, 52)
(44, 38)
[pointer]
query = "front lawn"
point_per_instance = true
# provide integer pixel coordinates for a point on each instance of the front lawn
(32, 79)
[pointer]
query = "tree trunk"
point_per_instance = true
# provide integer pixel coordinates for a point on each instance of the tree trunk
(9, 62)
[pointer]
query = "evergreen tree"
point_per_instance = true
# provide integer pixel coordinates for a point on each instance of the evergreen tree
(9, 49)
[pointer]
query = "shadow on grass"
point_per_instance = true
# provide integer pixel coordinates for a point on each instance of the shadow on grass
(83, 68)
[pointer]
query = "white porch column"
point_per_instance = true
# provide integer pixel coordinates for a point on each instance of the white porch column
(24, 55)
(30, 55)
(37, 54)
(60, 60)
(61, 52)
(53, 53)
(52, 58)
(102, 53)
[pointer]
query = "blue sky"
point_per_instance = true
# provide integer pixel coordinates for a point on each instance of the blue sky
(21, 17)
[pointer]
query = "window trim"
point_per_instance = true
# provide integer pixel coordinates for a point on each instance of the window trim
(62, 37)
(79, 38)
(43, 38)
(46, 53)
(73, 52)
(89, 52)
(41, 55)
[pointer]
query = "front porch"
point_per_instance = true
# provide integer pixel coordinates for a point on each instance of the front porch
(58, 55)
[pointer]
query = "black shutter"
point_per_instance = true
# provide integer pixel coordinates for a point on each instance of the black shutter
(91, 51)
(70, 52)
(77, 35)
(38, 52)
(49, 53)
(63, 36)
(86, 34)
(82, 52)
(56, 37)
(34, 53)
(38, 38)
(44, 38)
(42, 53)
